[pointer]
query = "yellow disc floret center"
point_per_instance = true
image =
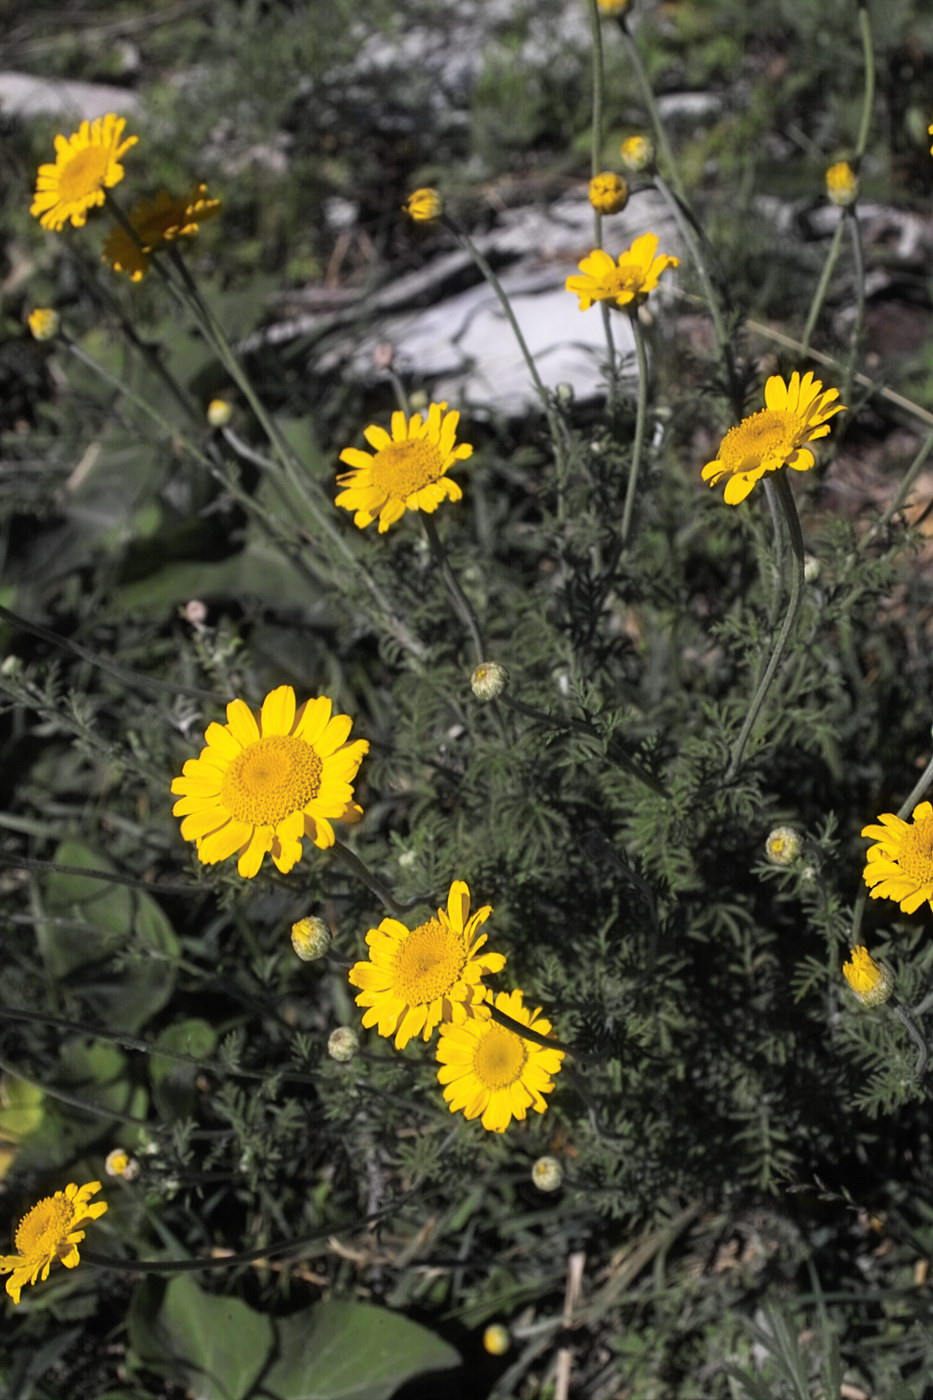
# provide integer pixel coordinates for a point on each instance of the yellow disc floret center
(915, 856)
(500, 1058)
(626, 279)
(270, 779)
(84, 173)
(429, 963)
(403, 468)
(767, 434)
(45, 1227)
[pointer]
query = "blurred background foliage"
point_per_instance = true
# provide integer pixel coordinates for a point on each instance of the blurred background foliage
(747, 1160)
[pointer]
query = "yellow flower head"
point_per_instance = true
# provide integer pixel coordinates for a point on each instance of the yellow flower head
(43, 323)
(783, 845)
(51, 1231)
(626, 282)
(417, 977)
(423, 205)
(900, 864)
(497, 1339)
(405, 471)
(86, 163)
(637, 153)
(311, 938)
(267, 779)
(608, 192)
(841, 183)
(489, 1071)
(157, 223)
(614, 7)
(871, 982)
(795, 413)
(219, 412)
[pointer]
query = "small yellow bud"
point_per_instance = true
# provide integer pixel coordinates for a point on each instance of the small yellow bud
(342, 1044)
(613, 7)
(608, 192)
(423, 205)
(44, 323)
(219, 413)
(842, 183)
(547, 1174)
(489, 680)
(783, 845)
(497, 1339)
(871, 981)
(120, 1163)
(637, 153)
(311, 939)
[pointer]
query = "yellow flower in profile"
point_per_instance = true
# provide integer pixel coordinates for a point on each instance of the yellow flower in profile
(43, 322)
(267, 779)
(157, 223)
(86, 163)
(900, 864)
(613, 7)
(416, 978)
(796, 413)
(51, 1231)
(626, 282)
(608, 192)
(423, 205)
(405, 471)
(871, 981)
(841, 183)
(490, 1071)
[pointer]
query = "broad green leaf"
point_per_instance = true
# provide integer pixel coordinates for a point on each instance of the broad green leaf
(173, 1080)
(351, 1351)
(217, 1347)
(89, 923)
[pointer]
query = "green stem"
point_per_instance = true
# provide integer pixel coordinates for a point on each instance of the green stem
(638, 442)
(792, 520)
(910, 1026)
(461, 604)
(822, 287)
(596, 147)
(631, 765)
(371, 881)
(654, 114)
(868, 99)
(925, 449)
(858, 257)
(549, 1042)
(920, 787)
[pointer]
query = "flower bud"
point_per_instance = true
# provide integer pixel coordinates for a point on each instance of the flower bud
(195, 612)
(219, 413)
(613, 7)
(608, 192)
(547, 1174)
(871, 981)
(342, 1044)
(423, 205)
(783, 845)
(489, 680)
(311, 939)
(497, 1339)
(842, 184)
(637, 153)
(120, 1163)
(43, 322)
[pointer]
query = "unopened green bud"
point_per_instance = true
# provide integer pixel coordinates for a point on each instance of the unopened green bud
(489, 680)
(342, 1044)
(311, 939)
(783, 845)
(547, 1174)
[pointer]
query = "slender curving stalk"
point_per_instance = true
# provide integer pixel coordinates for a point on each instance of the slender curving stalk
(550, 1042)
(858, 257)
(654, 113)
(638, 441)
(596, 147)
(792, 521)
(868, 96)
(822, 287)
(371, 881)
(461, 603)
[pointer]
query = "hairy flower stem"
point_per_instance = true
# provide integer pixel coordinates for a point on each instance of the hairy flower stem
(461, 603)
(596, 148)
(822, 287)
(550, 1042)
(858, 257)
(792, 520)
(371, 881)
(638, 441)
(868, 96)
(654, 113)
(920, 787)
(697, 247)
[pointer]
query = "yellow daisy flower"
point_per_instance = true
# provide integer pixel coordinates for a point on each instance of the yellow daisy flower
(51, 1231)
(157, 222)
(626, 282)
(405, 471)
(607, 192)
(637, 153)
(44, 323)
(900, 864)
(86, 163)
(267, 779)
(423, 205)
(796, 413)
(488, 1069)
(418, 977)
(871, 981)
